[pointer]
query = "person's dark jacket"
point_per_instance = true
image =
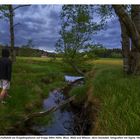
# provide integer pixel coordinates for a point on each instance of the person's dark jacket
(5, 68)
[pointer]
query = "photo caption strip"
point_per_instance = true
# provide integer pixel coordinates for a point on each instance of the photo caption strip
(70, 137)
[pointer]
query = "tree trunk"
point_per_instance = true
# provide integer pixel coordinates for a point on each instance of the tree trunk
(132, 30)
(12, 36)
(135, 54)
(77, 69)
(132, 26)
(125, 49)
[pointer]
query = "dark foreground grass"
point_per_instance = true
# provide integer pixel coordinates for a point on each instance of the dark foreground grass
(119, 97)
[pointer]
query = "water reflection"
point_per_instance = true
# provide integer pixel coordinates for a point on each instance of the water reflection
(62, 119)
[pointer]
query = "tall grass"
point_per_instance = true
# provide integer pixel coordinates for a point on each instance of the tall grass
(119, 97)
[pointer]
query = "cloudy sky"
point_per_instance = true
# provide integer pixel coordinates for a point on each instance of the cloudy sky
(41, 23)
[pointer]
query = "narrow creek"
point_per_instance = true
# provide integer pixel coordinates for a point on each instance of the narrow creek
(64, 119)
(69, 119)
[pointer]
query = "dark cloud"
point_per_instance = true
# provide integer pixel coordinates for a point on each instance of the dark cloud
(111, 37)
(37, 22)
(4, 32)
(41, 23)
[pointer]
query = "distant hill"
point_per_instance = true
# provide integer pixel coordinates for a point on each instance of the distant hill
(30, 52)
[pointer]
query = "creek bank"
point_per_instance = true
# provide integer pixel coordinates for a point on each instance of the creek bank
(68, 120)
(72, 119)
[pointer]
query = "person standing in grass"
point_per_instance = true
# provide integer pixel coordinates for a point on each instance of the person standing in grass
(5, 74)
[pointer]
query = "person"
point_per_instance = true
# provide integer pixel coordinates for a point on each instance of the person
(5, 74)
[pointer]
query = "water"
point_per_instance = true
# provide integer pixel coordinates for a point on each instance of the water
(72, 78)
(62, 121)
(62, 118)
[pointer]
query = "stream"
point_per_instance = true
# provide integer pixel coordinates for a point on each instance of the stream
(63, 119)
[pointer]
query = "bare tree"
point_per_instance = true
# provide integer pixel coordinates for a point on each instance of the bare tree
(9, 13)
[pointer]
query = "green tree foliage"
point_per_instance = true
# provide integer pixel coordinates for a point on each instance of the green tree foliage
(99, 51)
(3, 9)
(77, 28)
(29, 52)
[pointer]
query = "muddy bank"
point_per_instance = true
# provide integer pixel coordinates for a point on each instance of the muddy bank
(87, 110)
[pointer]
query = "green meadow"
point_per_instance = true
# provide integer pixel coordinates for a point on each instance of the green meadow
(118, 94)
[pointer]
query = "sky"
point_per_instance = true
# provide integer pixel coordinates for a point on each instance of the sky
(41, 24)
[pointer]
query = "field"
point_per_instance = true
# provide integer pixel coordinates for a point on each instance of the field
(118, 94)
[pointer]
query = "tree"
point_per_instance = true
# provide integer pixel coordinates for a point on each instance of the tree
(125, 46)
(106, 11)
(131, 28)
(131, 24)
(135, 54)
(12, 35)
(76, 30)
(8, 11)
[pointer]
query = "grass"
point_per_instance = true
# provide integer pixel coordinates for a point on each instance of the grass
(118, 93)
(119, 97)
(27, 89)
(79, 92)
